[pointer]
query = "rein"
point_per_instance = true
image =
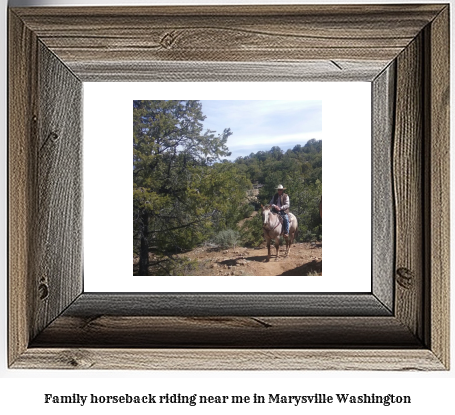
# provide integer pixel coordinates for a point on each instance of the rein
(269, 230)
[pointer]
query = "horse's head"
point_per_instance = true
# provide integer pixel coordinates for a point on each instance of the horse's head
(266, 212)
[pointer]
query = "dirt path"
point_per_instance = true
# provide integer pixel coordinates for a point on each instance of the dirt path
(304, 259)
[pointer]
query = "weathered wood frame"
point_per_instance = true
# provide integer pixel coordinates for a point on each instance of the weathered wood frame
(403, 50)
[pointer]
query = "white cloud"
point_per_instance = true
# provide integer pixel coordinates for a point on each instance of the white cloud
(262, 124)
(265, 143)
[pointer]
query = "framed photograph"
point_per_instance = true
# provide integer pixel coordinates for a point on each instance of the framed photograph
(271, 141)
(401, 323)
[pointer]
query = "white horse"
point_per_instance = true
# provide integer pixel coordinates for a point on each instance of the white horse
(272, 226)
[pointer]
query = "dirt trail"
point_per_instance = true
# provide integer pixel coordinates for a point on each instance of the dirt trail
(304, 259)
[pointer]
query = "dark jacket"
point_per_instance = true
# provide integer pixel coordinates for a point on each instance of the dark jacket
(284, 201)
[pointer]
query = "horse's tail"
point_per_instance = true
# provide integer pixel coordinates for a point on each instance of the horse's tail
(296, 232)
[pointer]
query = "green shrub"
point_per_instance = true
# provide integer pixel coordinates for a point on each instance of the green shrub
(227, 238)
(251, 231)
(247, 210)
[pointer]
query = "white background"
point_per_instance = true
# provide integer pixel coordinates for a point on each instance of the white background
(108, 185)
(23, 391)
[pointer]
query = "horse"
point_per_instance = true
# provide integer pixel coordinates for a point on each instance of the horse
(272, 226)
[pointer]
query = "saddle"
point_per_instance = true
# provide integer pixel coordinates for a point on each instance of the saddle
(280, 218)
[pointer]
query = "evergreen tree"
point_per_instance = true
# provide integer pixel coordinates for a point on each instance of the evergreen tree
(168, 145)
(185, 194)
(300, 171)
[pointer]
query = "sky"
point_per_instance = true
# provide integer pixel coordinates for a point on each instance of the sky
(258, 125)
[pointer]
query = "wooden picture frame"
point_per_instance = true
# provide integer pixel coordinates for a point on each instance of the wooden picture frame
(403, 324)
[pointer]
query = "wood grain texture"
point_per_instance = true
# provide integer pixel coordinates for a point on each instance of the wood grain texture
(229, 359)
(258, 332)
(240, 43)
(438, 193)
(58, 214)
(383, 215)
(408, 188)
(45, 161)
(227, 34)
(212, 305)
(22, 128)
(308, 70)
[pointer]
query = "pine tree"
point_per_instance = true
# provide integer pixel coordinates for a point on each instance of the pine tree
(168, 145)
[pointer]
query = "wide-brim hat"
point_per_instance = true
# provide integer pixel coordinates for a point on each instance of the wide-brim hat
(280, 187)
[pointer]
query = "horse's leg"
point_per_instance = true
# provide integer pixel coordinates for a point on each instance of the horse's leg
(277, 247)
(268, 250)
(291, 240)
(288, 244)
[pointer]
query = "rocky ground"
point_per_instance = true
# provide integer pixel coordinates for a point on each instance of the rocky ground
(304, 259)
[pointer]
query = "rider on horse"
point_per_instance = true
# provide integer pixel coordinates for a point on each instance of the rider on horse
(280, 204)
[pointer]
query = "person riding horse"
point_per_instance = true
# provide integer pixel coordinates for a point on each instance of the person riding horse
(280, 204)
